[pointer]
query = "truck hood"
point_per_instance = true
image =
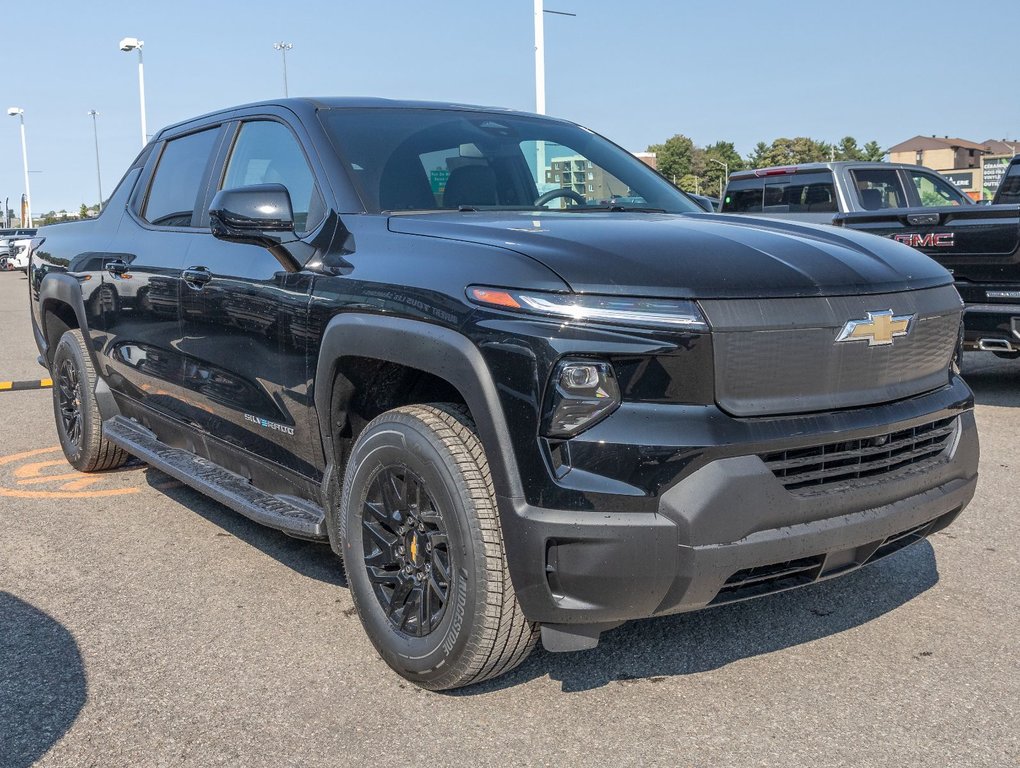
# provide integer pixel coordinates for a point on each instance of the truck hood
(699, 256)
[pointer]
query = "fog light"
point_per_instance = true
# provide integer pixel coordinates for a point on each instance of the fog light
(583, 394)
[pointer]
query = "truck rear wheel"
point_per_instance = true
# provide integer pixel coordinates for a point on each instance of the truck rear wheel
(79, 425)
(423, 550)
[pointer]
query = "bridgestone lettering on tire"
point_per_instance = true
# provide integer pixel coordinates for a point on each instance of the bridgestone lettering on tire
(79, 425)
(430, 453)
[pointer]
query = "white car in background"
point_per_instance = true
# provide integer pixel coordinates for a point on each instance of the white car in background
(8, 238)
(18, 257)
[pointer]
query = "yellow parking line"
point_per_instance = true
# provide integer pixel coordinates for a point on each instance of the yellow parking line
(15, 386)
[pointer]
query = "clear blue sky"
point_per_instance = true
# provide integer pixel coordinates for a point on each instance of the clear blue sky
(635, 71)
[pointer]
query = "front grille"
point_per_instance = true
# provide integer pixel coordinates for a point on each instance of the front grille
(849, 460)
(780, 356)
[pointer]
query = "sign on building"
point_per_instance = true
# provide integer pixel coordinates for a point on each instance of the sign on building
(961, 181)
(992, 169)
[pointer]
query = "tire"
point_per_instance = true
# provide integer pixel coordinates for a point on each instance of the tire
(79, 425)
(430, 454)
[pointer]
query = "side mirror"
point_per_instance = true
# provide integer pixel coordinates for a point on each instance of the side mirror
(259, 215)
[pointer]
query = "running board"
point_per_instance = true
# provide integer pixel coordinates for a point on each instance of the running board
(290, 515)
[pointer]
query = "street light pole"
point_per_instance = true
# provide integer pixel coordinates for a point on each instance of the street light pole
(19, 113)
(726, 173)
(283, 47)
(134, 44)
(539, 57)
(99, 175)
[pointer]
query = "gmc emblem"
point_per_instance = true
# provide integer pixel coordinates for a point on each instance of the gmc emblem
(931, 240)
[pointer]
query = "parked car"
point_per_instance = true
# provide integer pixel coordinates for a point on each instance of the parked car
(7, 236)
(710, 204)
(18, 255)
(979, 244)
(365, 324)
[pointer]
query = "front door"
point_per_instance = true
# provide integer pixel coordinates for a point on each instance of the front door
(244, 317)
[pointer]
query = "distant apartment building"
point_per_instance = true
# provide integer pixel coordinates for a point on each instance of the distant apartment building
(973, 167)
(580, 175)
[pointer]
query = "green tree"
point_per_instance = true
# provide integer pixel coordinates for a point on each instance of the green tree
(83, 212)
(712, 174)
(689, 183)
(784, 151)
(873, 152)
(847, 149)
(674, 157)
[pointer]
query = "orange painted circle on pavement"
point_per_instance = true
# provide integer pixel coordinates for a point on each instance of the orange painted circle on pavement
(43, 473)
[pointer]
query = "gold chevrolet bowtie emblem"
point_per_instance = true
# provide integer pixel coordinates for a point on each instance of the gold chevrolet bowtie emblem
(879, 329)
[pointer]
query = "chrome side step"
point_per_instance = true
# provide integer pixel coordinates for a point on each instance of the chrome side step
(293, 516)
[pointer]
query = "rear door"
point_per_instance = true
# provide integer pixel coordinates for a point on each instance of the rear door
(138, 306)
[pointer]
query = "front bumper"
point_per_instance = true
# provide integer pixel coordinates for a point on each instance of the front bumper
(727, 531)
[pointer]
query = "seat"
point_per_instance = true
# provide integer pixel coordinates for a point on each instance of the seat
(470, 185)
(871, 199)
(403, 185)
(818, 197)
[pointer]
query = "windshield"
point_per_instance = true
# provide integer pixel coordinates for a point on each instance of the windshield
(427, 159)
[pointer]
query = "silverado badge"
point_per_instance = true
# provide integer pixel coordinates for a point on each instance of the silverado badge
(879, 329)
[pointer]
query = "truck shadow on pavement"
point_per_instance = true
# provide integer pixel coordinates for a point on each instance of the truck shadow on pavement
(312, 559)
(42, 682)
(686, 644)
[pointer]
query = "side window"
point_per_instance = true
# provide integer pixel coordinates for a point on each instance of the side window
(743, 197)
(879, 188)
(266, 152)
(174, 187)
(934, 191)
(1009, 189)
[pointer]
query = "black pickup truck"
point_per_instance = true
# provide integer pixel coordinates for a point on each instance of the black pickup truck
(419, 333)
(914, 205)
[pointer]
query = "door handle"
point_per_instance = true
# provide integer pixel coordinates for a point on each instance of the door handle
(196, 277)
(116, 267)
(923, 219)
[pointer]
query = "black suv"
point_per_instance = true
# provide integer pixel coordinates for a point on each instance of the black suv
(436, 337)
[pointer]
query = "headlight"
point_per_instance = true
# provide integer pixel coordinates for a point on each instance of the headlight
(648, 313)
(582, 393)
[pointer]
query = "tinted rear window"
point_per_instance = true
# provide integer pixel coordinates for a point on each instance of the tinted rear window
(174, 188)
(793, 193)
(743, 196)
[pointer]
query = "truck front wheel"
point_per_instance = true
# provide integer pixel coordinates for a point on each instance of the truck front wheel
(423, 550)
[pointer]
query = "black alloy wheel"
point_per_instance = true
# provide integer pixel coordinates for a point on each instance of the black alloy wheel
(69, 398)
(78, 420)
(406, 551)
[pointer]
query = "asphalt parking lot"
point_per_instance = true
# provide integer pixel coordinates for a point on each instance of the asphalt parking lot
(144, 625)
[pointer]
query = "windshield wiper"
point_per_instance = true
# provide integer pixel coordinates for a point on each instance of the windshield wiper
(610, 208)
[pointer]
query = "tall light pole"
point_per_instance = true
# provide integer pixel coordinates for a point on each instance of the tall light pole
(540, 79)
(99, 176)
(19, 113)
(726, 173)
(134, 44)
(283, 47)
(540, 52)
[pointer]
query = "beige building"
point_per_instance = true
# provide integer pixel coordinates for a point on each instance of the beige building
(938, 153)
(974, 168)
